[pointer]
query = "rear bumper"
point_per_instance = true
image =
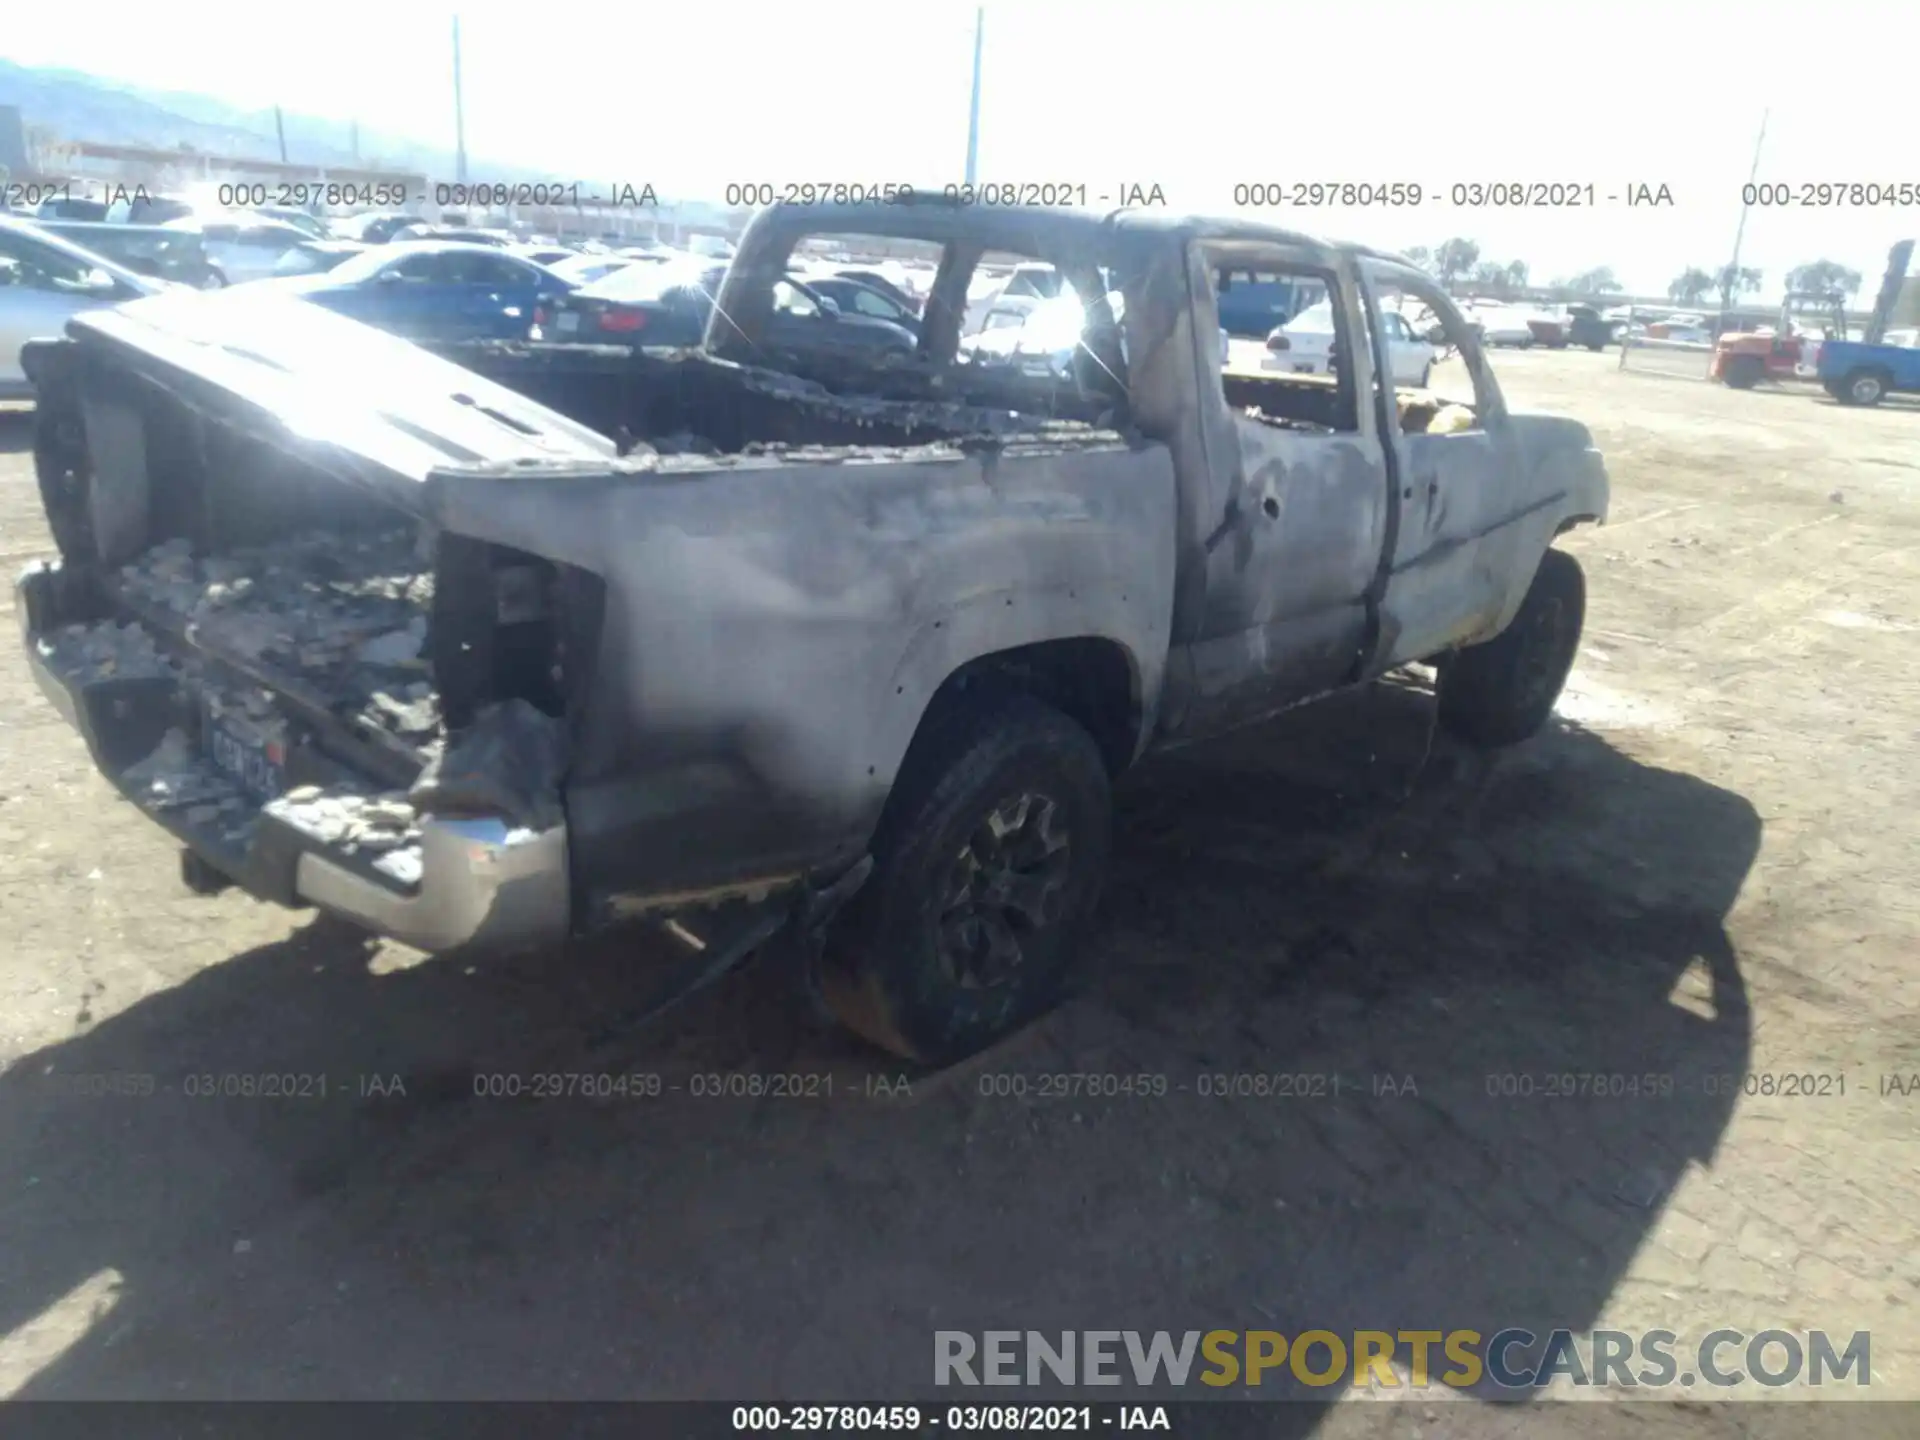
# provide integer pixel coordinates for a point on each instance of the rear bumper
(479, 883)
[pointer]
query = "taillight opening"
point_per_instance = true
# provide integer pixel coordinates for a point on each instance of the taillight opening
(1279, 342)
(622, 320)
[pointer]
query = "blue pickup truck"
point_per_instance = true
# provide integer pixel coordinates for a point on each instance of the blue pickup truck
(1859, 374)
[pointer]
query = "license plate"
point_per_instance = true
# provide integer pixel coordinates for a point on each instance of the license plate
(255, 765)
(566, 322)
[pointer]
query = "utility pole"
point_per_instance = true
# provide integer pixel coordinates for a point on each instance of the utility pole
(459, 113)
(973, 113)
(280, 129)
(1733, 266)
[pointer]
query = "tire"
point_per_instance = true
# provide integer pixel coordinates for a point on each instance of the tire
(1595, 346)
(922, 962)
(1745, 371)
(213, 279)
(1501, 692)
(1863, 387)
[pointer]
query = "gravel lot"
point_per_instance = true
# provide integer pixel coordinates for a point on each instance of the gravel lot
(1706, 870)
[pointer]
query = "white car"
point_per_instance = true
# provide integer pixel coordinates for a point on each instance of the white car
(1304, 346)
(1014, 294)
(1502, 325)
(244, 247)
(1681, 334)
(44, 282)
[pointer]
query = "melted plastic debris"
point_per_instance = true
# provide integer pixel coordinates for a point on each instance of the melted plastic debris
(174, 777)
(347, 614)
(104, 651)
(507, 763)
(349, 820)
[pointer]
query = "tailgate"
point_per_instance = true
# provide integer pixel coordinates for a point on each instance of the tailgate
(368, 406)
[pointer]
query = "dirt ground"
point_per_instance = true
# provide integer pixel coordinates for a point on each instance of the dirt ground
(1706, 870)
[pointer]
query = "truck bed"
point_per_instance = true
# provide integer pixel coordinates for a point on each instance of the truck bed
(280, 636)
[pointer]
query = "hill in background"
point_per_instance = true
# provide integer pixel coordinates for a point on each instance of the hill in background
(83, 107)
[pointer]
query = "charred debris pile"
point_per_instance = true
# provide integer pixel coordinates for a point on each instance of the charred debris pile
(344, 615)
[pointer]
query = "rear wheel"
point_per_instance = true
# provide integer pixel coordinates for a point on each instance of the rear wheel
(1743, 372)
(1863, 387)
(1502, 692)
(988, 859)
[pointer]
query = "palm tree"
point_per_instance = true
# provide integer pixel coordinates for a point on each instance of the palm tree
(1455, 258)
(1732, 284)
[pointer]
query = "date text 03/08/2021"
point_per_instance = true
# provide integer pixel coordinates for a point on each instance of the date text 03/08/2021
(1460, 194)
(348, 194)
(750, 194)
(962, 1419)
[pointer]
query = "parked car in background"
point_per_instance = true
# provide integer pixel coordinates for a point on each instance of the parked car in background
(45, 280)
(899, 294)
(1305, 346)
(292, 215)
(91, 211)
(435, 291)
(1549, 329)
(316, 257)
(670, 305)
(586, 269)
(157, 251)
(1587, 326)
(144, 209)
(1681, 334)
(464, 234)
(1253, 303)
(1503, 325)
(375, 227)
(1018, 292)
(244, 246)
(854, 297)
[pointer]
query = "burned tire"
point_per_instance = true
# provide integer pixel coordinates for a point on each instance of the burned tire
(1745, 371)
(1501, 692)
(987, 861)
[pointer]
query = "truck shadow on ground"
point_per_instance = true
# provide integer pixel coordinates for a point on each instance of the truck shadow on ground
(1423, 940)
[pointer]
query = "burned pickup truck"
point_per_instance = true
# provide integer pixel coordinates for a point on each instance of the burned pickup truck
(498, 654)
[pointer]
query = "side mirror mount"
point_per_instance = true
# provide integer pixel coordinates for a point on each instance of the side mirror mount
(829, 308)
(1436, 335)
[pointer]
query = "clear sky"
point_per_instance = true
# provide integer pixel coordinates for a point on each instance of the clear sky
(1195, 97)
